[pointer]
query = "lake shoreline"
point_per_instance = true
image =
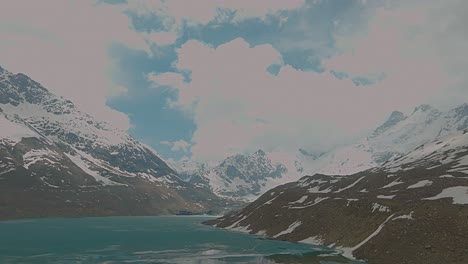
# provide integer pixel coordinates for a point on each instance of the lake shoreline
(169, 238)
(2, 220)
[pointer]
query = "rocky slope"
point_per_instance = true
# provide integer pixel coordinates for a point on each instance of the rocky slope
(56, 160)
(412, 209)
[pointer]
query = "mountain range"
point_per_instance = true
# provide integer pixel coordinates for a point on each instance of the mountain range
(245, 177)
(409, 207)
(57, 160)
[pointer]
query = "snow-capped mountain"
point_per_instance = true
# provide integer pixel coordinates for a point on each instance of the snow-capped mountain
(247, 176)
(395, 137)
(56, 150)
(239, 177)
(90, 140)
(412, 209)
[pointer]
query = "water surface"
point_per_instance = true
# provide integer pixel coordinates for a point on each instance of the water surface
(170, 240)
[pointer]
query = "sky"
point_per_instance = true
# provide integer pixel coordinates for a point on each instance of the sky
(206, 79)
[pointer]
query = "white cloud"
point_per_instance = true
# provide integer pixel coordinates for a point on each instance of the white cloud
(179, 145)
(167, 79)
(239, 106)
(161, 38)
(63, 45)
(165, 142)
(417, 44)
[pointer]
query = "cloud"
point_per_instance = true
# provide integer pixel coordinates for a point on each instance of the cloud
(63, 45)
(161, 38)
(244, 96)
(238, 105)
(167, 79)
(180, 145)
(395, 63)
(165, 21)
(416, 45)
(204, 11)
(67, 50)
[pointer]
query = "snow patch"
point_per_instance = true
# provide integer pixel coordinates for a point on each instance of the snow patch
(447, 176)
(316, 189)
(420, 184)
(242, 229)
(388, 197)
(459, 195)
(315, 202)
(393, 183)
(314, 240)
(35, 155)
(380, 208)
(85, 167)
(406, 216)
(301, 200)
(348, 252)
(351, 200)
(289, 230)
(14, 132)
(351, 185)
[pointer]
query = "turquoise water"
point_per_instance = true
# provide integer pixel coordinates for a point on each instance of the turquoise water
(144, 240)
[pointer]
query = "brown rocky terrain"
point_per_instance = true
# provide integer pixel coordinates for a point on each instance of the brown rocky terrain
(413, 209)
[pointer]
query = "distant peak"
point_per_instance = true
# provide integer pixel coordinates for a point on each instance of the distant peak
(394, 118)
(462, 106)
(3, 70)
(423, 108)
(461, 110)
(396, 115)
(260, 152)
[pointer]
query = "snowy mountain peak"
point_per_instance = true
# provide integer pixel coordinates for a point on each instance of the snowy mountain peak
(239, 177)
(423, 108)
(16, 89)
(250, 167)
(49, 144)
(461, 111)
(395, 118)
(63, 123)
(259, 153)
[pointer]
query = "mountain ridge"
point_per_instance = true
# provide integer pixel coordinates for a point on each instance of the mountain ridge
(397, 135)
(409, 210)
(68, 163)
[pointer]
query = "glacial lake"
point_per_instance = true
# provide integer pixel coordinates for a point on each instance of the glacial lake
(169, 240)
